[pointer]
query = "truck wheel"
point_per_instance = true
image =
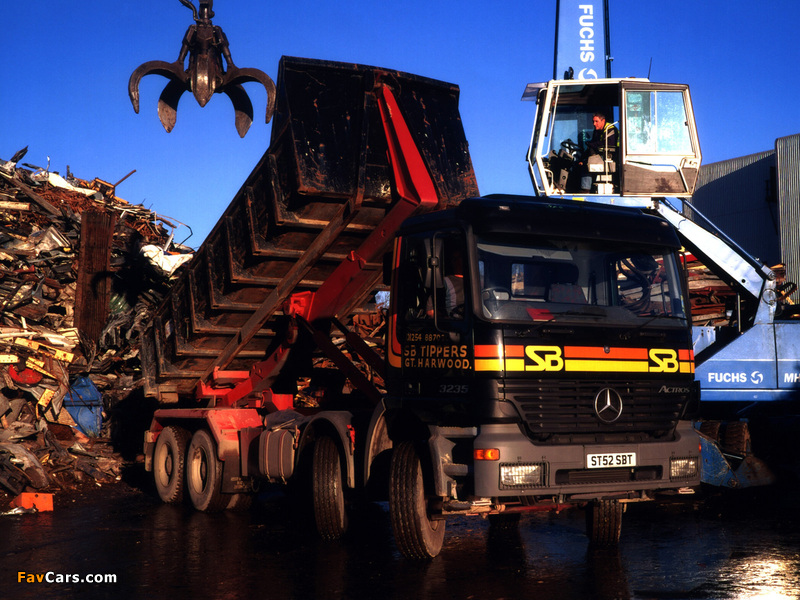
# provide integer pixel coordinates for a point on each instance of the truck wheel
(416, 535)
(204, 474)
(604, 522)
(327, 490)
(169, 464)
(736, 439)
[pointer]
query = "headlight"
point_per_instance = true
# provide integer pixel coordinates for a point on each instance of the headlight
(522, 475)
(683, 468)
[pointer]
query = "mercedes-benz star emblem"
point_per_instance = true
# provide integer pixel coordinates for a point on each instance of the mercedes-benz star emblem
(608, 405)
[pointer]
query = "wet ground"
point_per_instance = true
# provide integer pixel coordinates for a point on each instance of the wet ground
(734, 545)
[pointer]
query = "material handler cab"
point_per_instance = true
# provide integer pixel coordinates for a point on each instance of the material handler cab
(656, 153)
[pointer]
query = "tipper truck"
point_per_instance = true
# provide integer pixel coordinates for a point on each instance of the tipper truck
(537, 353)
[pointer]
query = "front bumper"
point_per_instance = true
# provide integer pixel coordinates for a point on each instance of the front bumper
(528, 469)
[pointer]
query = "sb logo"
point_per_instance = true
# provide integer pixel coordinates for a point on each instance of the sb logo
(666, 361)
(545, 358)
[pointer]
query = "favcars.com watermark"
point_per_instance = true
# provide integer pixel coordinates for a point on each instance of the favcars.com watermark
(53, 577)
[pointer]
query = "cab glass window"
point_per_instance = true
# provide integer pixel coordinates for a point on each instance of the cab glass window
(656, 123)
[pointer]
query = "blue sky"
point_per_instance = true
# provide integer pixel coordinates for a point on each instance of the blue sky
(66, 67)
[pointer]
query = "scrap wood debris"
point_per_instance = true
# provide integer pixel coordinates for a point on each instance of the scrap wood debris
(80, 271)
(711, 298)
(714, 301)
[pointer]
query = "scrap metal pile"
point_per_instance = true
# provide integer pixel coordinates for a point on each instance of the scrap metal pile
(80, 270)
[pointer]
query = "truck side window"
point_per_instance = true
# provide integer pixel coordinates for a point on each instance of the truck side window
(414, 279)
(432, 277)
(454, 278)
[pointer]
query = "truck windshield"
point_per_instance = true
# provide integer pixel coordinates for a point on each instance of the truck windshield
(560, 279)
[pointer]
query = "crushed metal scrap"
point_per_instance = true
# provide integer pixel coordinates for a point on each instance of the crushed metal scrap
(80, 270)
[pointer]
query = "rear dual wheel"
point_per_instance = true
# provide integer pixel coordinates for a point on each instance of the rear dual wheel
(182, 461)
(169, 463)
(204, 474)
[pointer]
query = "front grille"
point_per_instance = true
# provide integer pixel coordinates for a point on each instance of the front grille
(562, 411)
(598, 476)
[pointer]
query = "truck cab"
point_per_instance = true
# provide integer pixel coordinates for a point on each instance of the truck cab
(543, 348)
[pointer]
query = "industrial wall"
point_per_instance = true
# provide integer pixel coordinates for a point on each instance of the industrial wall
(755, 200)
(787, 153)
(738, 196)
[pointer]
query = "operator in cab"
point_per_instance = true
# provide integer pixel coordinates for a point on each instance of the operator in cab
(605, 137)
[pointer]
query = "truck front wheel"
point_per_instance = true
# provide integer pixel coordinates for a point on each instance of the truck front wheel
(604, 522)
(328, 492)
(416, 534)
(204, 473)
(169, 463)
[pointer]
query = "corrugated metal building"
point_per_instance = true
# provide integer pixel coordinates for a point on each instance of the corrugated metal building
(787, 154)
(755, 200)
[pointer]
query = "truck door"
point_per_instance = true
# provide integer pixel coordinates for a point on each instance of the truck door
(660, 153)
(432, 307)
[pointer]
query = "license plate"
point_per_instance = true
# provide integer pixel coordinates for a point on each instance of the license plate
(616, 459)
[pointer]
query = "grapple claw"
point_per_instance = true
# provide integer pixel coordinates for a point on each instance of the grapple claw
(237, 76)
(242, 107)
(172, 71)
(168, 103)
(206, 46)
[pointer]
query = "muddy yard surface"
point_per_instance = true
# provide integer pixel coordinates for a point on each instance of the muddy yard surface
(118, 541)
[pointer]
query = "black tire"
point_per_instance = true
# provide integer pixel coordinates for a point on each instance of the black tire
(327, 490)
(711, 429)
(417, 536)
(204, 474)
(169, 464)
(604, 522)
(736, 439)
